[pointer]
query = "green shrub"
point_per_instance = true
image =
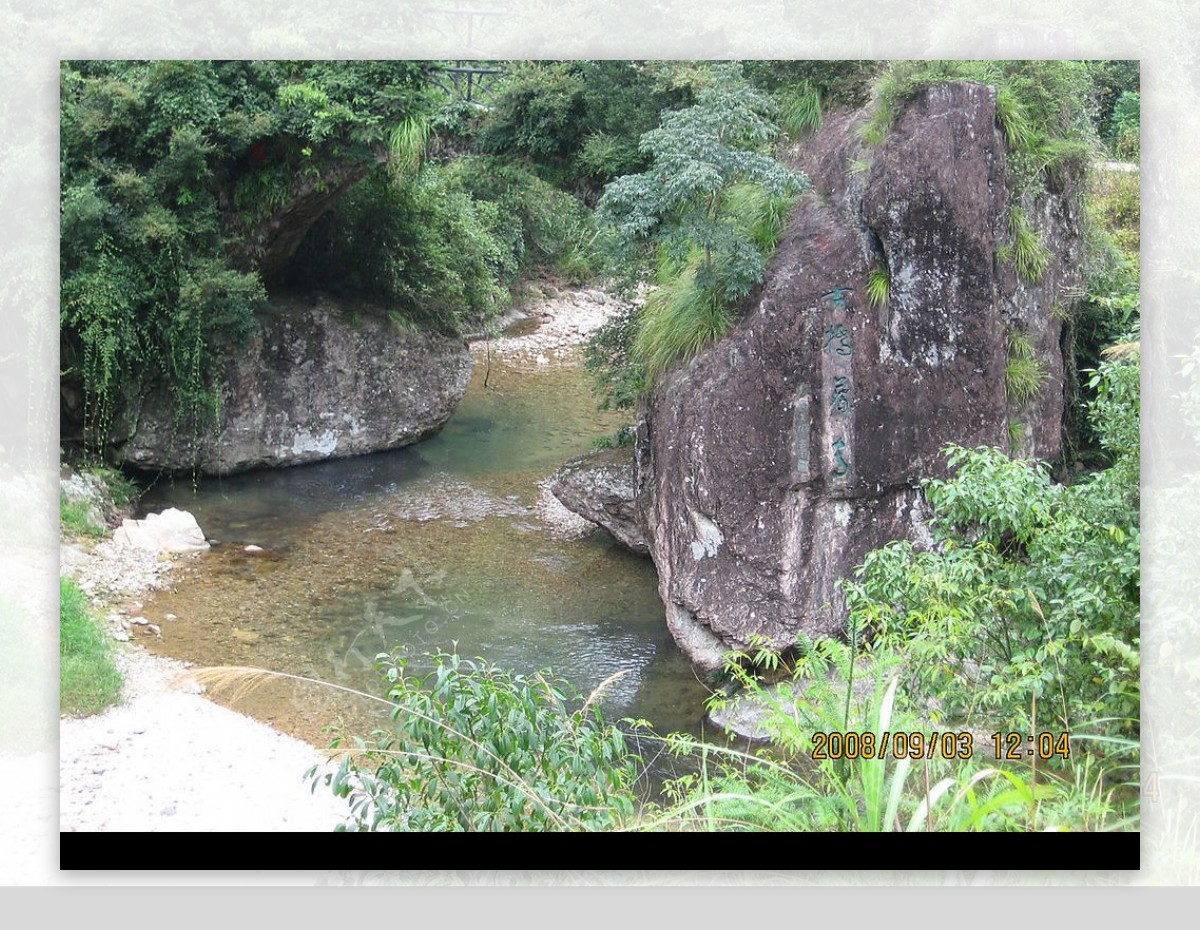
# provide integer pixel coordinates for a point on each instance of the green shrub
(1032, 595)
(424, 244)
(75, 519)
(89, 680)
(862, 778)
(473, 747)
(879, 286)
(546, 229)
(625, 436)
(1024, 373)
(1026, 250)
(1115, 204)
(620, 377)
(1126, 126)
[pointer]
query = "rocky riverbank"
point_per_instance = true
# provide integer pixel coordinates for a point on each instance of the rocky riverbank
(165, 757)
(549, 327)
(169, 758)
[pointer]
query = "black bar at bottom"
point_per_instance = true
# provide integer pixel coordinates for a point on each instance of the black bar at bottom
(1035, 852)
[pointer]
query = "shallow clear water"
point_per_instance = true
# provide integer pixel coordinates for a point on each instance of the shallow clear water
(434, 547)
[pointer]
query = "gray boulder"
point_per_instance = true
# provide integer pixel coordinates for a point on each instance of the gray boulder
(318, 379)
(769, 465)
(599, 488)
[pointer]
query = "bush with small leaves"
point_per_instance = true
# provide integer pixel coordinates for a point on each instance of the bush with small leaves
(475, 748)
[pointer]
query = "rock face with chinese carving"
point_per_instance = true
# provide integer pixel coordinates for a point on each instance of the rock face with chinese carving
(768, 466)
(317, 379)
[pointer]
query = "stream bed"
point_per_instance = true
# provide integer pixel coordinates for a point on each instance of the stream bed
(449, 544)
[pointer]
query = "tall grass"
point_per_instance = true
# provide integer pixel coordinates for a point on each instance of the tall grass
(1024, 373)
(407, 144)
(1025, 249)
(758, 213)
(679, 319)
(89, 680)
(879, 287)
(800, 113)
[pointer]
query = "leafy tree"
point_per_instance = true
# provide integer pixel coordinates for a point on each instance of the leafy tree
(709, 208)
(578, 122)
(699, 154)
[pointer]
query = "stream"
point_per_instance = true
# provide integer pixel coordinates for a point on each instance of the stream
(448, 544)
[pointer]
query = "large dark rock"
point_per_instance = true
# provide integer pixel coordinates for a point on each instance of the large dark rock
(318, 379)
(768, 466)
(599, 487)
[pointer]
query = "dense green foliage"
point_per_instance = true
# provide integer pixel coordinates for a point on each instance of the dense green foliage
(1032, 593)
(836, 83)
(89, 680)
(708, 212)
(1125, 127)
(1118, 86)
(424, 247)
(473, 747)
(167, 168)
(579, 122)
(852, 783)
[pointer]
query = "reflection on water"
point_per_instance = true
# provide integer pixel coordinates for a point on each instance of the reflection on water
(433, 547)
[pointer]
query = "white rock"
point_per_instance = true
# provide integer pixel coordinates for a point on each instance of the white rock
(172, 530)
(252, 548)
